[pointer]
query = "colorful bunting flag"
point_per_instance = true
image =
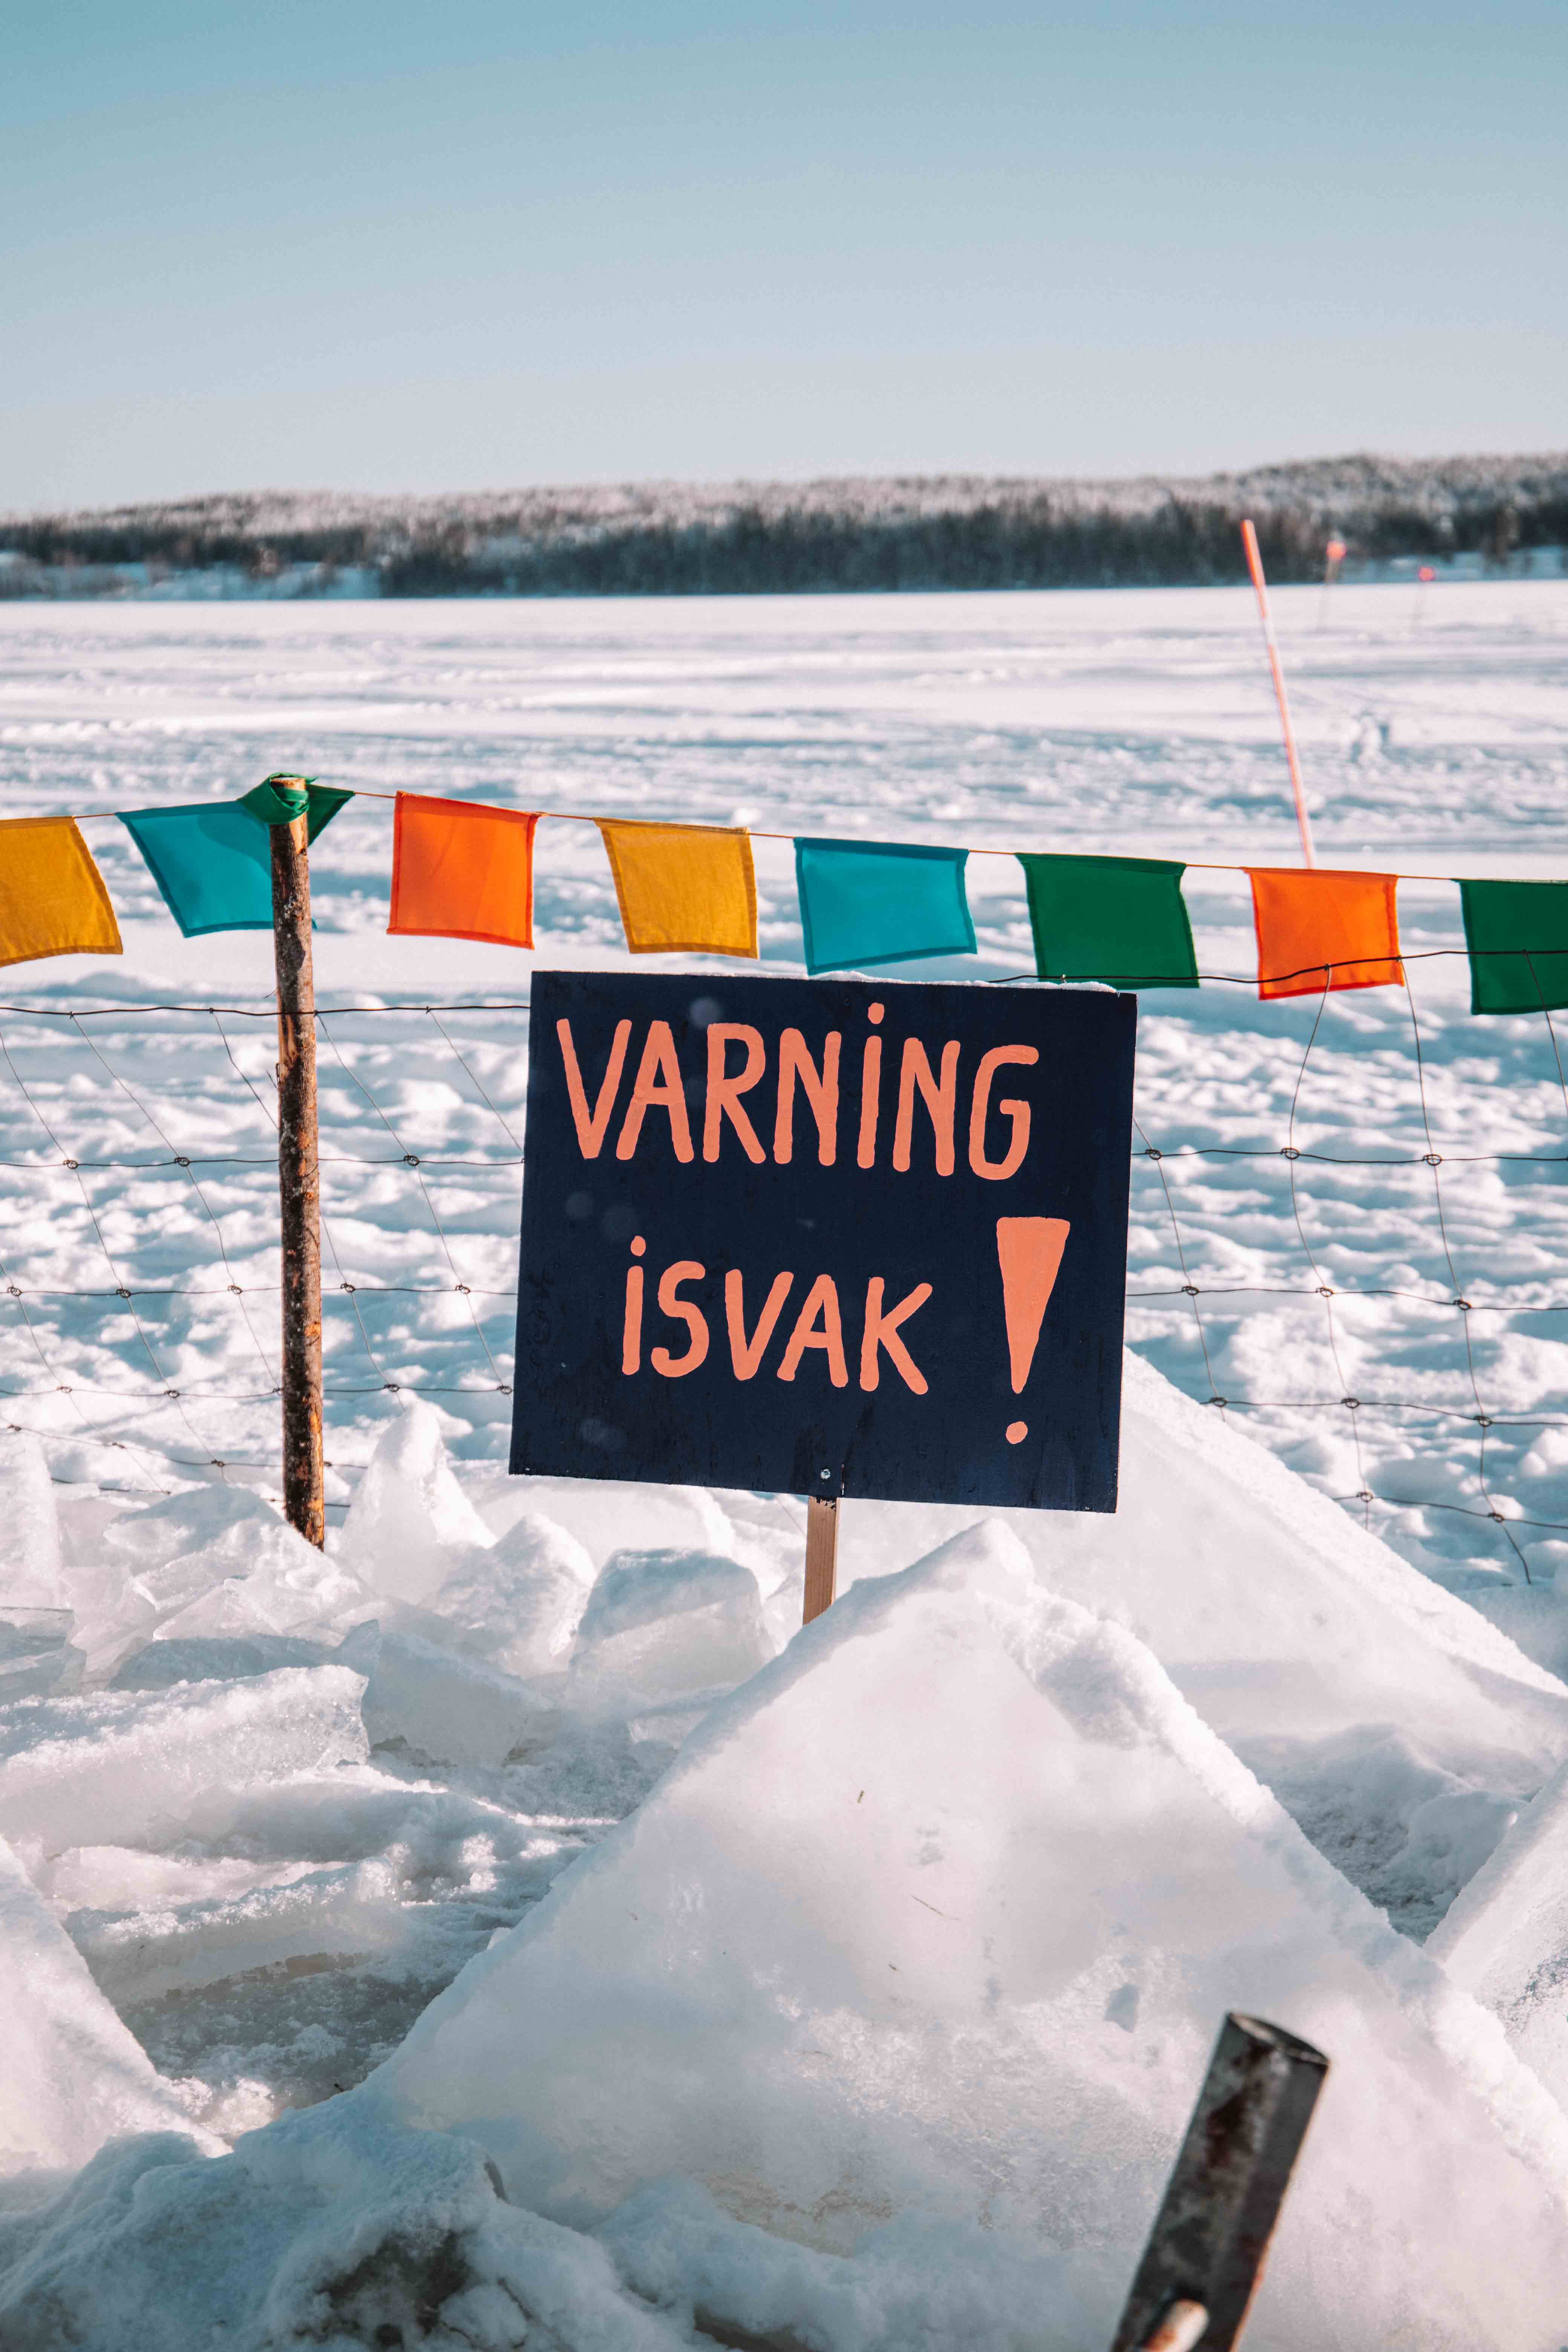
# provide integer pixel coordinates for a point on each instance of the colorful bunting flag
(52, 898)
(1314, 924)
(461, 870)
(683, 887)
(1517, 935)
(1118, 920)
(871, 902)
(213, 862)
(281, 799)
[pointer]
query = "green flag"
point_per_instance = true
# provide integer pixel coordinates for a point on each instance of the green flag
(1118, 920)
(1517, 936)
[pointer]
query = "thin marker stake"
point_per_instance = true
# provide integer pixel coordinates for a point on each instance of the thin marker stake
(299, 1182)
(1207, 2250)
(1254, 565)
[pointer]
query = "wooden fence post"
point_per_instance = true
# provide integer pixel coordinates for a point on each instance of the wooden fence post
(821, 1557)
(298, 1184)
(1207, 2248)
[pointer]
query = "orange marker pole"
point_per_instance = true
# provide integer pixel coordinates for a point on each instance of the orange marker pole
(1254, 565)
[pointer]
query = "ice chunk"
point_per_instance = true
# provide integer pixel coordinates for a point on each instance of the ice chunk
(445, 1709)
(350, 1911)
(410, 1520)
(517, 1606)
(187, 1658)
(213, 1561)
(109, 1769)
(664, 1624)
(291, 1588)
(852, 1961)
(31, 1572)
(73, 2076)
(597, 1511)
(37, 1653)
(1506, 1937)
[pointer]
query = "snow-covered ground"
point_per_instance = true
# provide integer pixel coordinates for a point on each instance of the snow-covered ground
(263, 1809)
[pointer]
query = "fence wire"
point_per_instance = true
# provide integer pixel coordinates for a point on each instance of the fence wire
(139, 1280)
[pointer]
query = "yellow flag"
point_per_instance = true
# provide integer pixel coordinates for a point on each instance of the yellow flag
(683, 887)
(52, 898)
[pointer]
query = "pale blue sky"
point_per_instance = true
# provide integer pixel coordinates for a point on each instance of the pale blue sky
(386, 246)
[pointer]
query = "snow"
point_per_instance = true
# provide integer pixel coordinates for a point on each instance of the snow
(851, 1985)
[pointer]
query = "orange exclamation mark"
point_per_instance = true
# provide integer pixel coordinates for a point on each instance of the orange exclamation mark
(1030, 1252)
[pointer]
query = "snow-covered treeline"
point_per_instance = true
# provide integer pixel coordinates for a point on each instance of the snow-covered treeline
(770, 538)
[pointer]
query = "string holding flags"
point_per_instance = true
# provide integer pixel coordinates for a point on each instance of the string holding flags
(465, 869)
(1321, 927)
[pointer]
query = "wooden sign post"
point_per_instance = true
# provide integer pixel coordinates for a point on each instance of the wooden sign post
(821, 1557)
(826, 1238)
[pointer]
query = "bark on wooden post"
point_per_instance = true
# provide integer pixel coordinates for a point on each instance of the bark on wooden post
(1207, 2248)
(304, 1497)
(821, 1557)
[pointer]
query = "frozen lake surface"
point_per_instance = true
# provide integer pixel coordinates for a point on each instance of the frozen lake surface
(1138, 722)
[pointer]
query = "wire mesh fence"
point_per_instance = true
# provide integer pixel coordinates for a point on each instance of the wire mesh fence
(1366, 1274)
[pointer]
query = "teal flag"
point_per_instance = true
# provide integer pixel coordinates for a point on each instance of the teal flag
(870, 902)
(283, 798)
(212, 861)
(1517, 936)
(1118, 920)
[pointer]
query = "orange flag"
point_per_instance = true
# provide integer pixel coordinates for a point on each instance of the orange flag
(1314, 925)
(683, 887)
(52, 898)
(461, 870)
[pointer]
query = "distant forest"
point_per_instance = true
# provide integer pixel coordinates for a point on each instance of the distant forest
(770, 539)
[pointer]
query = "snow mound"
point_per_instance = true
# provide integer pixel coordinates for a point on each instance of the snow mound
(333, 2227)
(313, 2232)
(935, 1921)
(73, 2076)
